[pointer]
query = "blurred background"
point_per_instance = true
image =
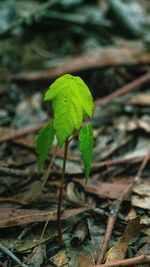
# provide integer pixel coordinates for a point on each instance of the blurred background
(106, 42)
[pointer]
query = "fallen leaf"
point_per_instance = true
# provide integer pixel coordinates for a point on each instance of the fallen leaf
(31, 193)
(141, 198)
(72, 195)
(111, 190)
(118, 251)
(60, 259)
(84, 259)
(32, 237)
(80, 232)
(38, 256)
(13, 217)
(131, 215)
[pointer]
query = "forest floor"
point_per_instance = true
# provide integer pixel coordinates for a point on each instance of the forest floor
(107, 44)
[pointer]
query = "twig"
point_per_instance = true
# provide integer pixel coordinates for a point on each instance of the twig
(114, 211)
(20, 133)
(114, 56)
(109, 228)
(125, 89)
(10, 254)
(127, 262)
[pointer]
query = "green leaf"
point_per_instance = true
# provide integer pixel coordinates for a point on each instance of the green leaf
(86, 146)
(71, 100)
(44, 141)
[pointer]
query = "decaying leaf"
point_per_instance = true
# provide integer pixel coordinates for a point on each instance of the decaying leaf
(31, 192)
(38, 256)
(60, 258)
(73, 196)
(13, 217)
(80, 232)
(141, 198)
(119, 250)
(85, 259)
(112, 190)
(31, 237)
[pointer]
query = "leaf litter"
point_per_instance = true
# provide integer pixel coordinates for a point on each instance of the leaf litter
(107, 59)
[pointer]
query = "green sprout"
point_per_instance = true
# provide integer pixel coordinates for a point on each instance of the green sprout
(71, 102)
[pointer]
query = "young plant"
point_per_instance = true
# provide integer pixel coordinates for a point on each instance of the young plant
(71, 102)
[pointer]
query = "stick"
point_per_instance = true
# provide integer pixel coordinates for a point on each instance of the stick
(127, 262)
(113, 56)
(20, 133)
(125, 89)
(109, 229)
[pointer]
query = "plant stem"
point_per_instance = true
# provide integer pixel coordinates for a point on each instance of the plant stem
(60, 196)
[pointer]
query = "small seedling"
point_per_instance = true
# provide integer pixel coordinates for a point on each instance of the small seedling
(71, 102)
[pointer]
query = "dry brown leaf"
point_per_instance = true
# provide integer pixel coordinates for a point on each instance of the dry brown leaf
(27, 196)
(60, 259)
(13, 217)
(114, 190)
(119, 250)
(85, 259)
(142, 197)
(131, 215)
(111, 190)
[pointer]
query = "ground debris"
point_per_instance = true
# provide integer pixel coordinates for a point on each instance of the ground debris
(107, 219)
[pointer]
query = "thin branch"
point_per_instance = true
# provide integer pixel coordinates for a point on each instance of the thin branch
(19, 133)
(127, 262)
(112, 56)
(125, 89)
(109, 229)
